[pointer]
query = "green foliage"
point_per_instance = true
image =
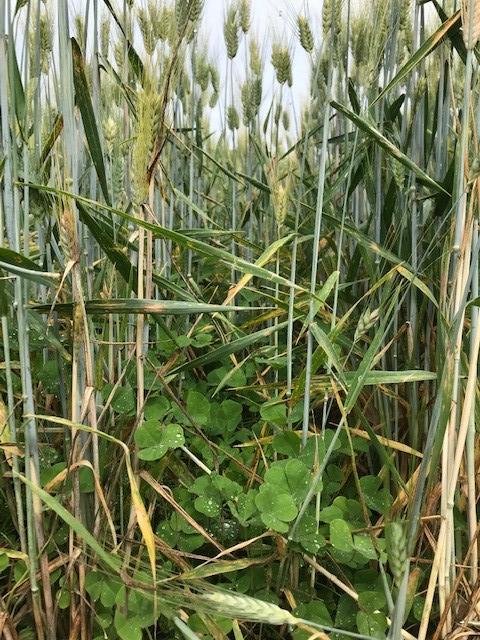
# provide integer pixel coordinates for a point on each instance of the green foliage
(229, 355)
(155, 439)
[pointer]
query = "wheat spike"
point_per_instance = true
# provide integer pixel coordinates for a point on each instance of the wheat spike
(181, 15)
(79, 23)
(256, 94)
(396, 549)
(248, 114)
(282, 64)
(195, 10)
(110, 132)
(233, 120)
(214, 78)
(277, 114)
(245, 607)
(230, 32)
(68, 235)
(105, 37)
(305, 34)
(148, 109)
(366, 322)
(46, 44)
(471, 22)
(331, 17)
(255, 59)
(279, 177)
(202, 71)
(146, 29)
(399, 173)
(244, 15)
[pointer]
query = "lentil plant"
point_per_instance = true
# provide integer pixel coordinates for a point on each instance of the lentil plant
(239, 341)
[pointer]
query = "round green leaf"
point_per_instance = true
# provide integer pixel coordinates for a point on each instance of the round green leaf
(157, 408)
(275, 412)
(155, 439)
(372, 624)
(198, 407)
(208, 505)
(276, 509)
(340, 535)
(127, 627)
(123, 401)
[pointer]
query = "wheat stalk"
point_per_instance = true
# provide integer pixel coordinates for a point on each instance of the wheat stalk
(470, 22)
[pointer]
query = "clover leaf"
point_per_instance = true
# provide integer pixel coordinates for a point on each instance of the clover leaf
(287, 443)
(209, 505)
(157, 408)
(376, 498)
(316, 611)
(307, 534)
(373, 625)
(198, 407)
(290, 476)
(276, 508)
(123, 400)
(155, 439)
(212, 492)
(224, 417)
(127, 627)
(340, 535)
(275, 412)
(245, 507)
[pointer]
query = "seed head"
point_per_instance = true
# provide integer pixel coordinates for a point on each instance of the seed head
(105, 37)
(396, 544)
(110, 132)
(244, 15)
(398, 171)
(202, 71)
(214, 78)
(68, 234)
(181, 15)
(195, 8)
(163, 23)
(279, 175)
(146, 29)
(46, 42)
(240, 606)
(233, 120)
(80, 29)
(213, 100)
(367, 320)
(359, 40)
(251, 94)
(118, 53)
(256, 94)
(281, 62)
(255, 60)
(277, 114)
(148, 122)
(305, 33)
(230, 32)
(247, 111)
(331, 17)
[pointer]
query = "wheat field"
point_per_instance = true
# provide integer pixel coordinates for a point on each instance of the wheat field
(239, 331)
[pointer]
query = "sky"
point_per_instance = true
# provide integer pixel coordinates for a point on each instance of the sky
(271, 20)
